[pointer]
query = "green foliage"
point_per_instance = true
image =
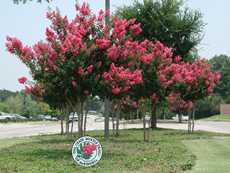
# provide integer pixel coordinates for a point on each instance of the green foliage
(3, 107)
(4, 94)
(94, 103)
(18, 102)
(221, 63)
(208, 106)
(167, 21)
(127, 153)
(15, 104)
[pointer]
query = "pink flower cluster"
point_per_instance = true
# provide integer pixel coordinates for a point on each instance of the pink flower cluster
(84, 71)
(84, 9)
(190, 74)
(89, 148)
(15, 46)
(176, 103)
(103, 43)
(122, 26)
(129, 102)
(122, 79)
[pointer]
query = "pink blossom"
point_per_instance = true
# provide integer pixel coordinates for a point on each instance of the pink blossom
(113, 52)
(50, 34)
(28, 89)
(115, 90)
(13, 44)
(136, 28)
(90, 68)
(81, 71)
(84, 9)
(177, 58)
(74, 84)
(103, 43)
(146, 58)
(100, 15)
(22, 80)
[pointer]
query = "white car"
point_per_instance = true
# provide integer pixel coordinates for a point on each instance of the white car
(7, 117)
(18, 117)
(183, 118)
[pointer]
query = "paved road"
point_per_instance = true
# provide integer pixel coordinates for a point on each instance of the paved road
(211, 126)
(30, 129)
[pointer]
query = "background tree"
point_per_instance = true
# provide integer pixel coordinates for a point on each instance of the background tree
(208, 106)
(221, 63)
(14, 103)
(168, 21)
(4, 94)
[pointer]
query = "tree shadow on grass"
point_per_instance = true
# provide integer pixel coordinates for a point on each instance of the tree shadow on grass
(52, 154)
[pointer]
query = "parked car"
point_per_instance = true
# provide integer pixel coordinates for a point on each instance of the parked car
(45, 117)
(18, 117)
(183, 118)
(92, 112)
(7, 117)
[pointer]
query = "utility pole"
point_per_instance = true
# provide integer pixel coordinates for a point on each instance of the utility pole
(107, 11)
(107, 106)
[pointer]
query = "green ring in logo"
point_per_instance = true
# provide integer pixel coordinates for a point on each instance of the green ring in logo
(86, 151)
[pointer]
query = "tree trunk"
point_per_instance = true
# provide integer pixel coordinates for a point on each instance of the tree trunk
(72, 126)
(144, 127)
(106, 117)
(117, 121)
(189, 121)
(80, 118)
(163, 112)
(62, 125)
(85, 121)
(179, 117)
(153, 123)
(66, 122)
(113, 122)
(193, 118)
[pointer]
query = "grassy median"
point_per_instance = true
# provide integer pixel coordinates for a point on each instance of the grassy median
(165, 153)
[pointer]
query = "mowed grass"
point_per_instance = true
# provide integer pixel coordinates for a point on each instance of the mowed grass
(165, 153)
(213, 155)
(219, 117)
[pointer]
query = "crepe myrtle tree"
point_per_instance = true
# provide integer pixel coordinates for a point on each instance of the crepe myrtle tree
(64, 62)
(154, 57)
(79, 58)
(188, 83)
(157, 59)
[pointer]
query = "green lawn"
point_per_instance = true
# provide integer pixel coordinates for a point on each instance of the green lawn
(165, 153)
(219, 117)
(213, 155)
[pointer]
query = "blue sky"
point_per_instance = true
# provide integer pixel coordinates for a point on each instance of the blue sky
(28, 23)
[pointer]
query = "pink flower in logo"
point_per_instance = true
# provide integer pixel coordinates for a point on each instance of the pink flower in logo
(89, 148)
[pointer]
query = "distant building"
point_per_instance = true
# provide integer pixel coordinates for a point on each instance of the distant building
(225, 109)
